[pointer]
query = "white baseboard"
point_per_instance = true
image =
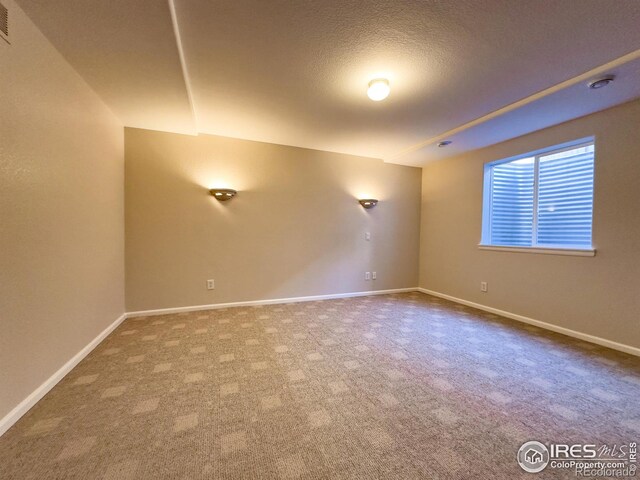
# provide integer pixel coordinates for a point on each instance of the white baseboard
(547, 326)
(23, 407)
(215, 306)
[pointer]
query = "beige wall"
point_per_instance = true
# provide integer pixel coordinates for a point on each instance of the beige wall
(61, 213)
(599, 296)
(295, 228)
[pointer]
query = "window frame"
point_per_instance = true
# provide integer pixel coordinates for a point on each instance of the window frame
(487, 195)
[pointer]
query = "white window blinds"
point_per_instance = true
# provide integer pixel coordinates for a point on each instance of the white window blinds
(543, 200)
(512, 204)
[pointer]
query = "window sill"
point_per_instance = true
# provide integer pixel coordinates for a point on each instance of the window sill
(576, 252)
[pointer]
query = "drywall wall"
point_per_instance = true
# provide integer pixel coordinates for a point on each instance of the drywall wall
(594, 295)
(294, 229)
(61, 212)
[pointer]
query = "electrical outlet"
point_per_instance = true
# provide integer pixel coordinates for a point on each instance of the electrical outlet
(374, 275)
(211, 284)
(367, 275)
(367, 236)
(484, 287)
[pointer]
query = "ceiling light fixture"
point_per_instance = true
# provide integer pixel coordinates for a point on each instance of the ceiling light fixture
(223, 194)
(378, 89)
(601, 82)
(444, 143)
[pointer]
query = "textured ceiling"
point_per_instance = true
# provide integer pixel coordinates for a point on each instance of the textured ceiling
(295, 72)
(126, 50)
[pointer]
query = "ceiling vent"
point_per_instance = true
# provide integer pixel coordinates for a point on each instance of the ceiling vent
(4, 23)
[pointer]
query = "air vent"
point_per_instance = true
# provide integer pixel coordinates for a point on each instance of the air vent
(4, 22)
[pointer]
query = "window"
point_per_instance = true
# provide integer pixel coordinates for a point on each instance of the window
(541, 200)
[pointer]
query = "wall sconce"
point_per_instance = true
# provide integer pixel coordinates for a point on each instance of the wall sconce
(368, 202)
(223, 194)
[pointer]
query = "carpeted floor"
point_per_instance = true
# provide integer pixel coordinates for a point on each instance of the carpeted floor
(393, 386)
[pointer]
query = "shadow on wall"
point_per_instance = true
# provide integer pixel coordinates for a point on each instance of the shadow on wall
(235, 225)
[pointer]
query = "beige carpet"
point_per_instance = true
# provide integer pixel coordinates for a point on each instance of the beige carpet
(395, 386)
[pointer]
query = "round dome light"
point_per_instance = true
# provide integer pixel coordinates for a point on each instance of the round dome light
(378, 89)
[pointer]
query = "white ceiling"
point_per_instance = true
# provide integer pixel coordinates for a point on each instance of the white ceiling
(295, 72)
